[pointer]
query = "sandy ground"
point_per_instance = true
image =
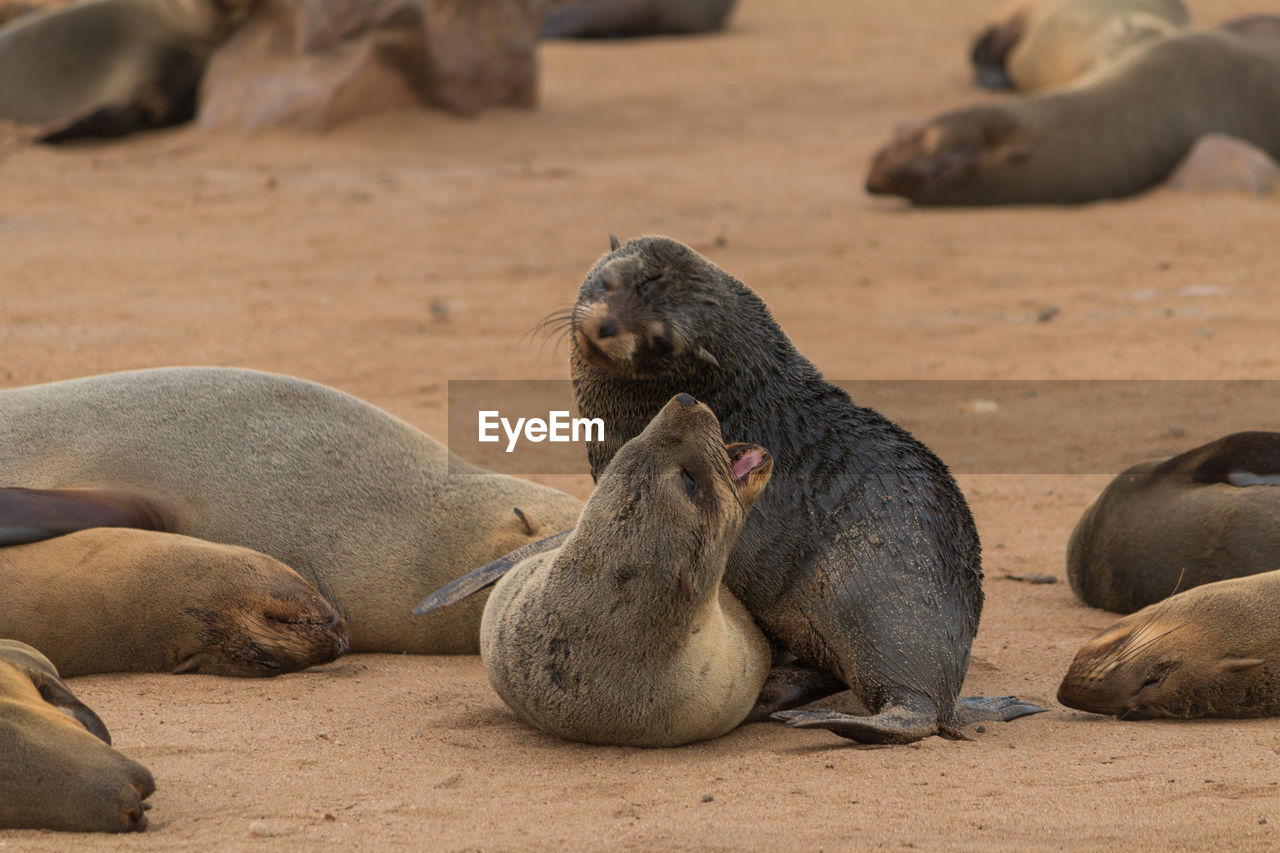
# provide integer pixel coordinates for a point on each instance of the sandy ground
(324, 258)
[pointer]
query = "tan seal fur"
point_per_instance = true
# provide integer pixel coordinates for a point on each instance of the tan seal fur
(1117, 133)
(372, 511)
(107, 67)
(1213, 651)
(1206, 515)
(624, 634)
(57, 769)
(1032, 46)
(114, 600)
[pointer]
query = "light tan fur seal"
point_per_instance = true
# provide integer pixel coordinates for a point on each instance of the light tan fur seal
(1031, 46)
(116, 600)
(1116, 134)
(1213, 651)
(110, 67)
(624, 634)
(1206, 515)
(372, 511)
(57, 768)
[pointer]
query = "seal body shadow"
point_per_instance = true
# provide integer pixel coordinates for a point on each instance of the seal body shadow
(624, 634)
(1117, 133)
(862, 558)
(1212, 651)
(1165, 525)
(373, 512)
(57, 768)
(121, 600)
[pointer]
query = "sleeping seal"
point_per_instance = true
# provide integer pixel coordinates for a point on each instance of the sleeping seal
(57, 768)
(1167, 524)
(115, 600)
(1119, 132)
(624, 634)
(1212, 651)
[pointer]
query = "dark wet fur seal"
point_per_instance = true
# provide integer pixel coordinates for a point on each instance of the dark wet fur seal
(372, 511)
(110, 67)
(57, 768)
(1116, 134)
(624, 634)
(1165, 525)
(862, 557)
(1031, 46)
(119, 600)
(1212, 651)
(630, 18)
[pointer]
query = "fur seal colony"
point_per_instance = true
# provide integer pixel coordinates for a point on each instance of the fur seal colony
(57, 768)
(630, 18)
(1032, 46)
(1206, 515)
(1116, 134)
(209, 608)
(110, 67)
(861, 559)
(1212, 651)
(624, 634)
(372, 511)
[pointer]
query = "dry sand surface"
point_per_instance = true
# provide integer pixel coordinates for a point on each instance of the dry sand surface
(395, 254)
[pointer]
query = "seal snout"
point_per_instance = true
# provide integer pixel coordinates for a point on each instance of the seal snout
(686, 400)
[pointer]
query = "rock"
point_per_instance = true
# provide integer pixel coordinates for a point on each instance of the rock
(1217, 163)
(314, 64)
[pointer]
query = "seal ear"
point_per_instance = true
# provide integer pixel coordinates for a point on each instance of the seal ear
(1239, 664)
(614, 245)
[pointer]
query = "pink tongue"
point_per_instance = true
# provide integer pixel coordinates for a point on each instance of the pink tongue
(746, 463)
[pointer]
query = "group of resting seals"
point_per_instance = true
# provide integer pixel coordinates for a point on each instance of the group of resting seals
(1114, 132)
(1208, 522)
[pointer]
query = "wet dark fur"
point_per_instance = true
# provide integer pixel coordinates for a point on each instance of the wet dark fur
(1172, 524)
(882, 584)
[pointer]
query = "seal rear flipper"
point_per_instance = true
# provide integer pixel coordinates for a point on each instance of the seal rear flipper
(893, 725)
(32, 515)
(597, 19)
(792, 684)
(997, 709)
(487, 575)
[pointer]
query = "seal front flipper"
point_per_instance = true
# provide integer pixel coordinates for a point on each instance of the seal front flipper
(791, 684)
(487, 575)
(32, 515)
(901, 724)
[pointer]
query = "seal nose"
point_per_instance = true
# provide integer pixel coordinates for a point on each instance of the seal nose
(608, 328)
(686, 400)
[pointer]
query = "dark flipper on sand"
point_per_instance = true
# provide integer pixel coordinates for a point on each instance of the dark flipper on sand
(487, 575)
(898, 724)
(32, 515)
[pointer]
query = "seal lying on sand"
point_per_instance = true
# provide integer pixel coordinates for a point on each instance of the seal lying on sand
(110, 67)
(624, 634)
(1213, 651)
(862, 558)
(372, 511)
(627, 18)
(113, 600)
(1167, 524)
(1118, 133)
(57, 769)
(1040, 45)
